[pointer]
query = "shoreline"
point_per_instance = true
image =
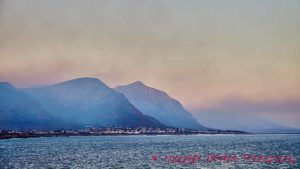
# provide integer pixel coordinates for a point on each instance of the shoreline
(9, 134)
(6, 137)
(24, 136)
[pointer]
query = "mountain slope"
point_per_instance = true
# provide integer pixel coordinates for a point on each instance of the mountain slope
(89, 101)
(159, 105)
(19, 111)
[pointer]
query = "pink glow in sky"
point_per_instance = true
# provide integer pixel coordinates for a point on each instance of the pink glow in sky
(202, 53)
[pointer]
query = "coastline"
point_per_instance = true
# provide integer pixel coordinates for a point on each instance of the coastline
(9, 134)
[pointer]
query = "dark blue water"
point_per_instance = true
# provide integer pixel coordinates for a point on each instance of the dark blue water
(141, 151)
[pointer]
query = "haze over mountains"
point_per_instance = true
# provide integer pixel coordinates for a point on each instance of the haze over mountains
(89, 102)
(159, 105)
(75, 103)
(244, 122)
(19, 111)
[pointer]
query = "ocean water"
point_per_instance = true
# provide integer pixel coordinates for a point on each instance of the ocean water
(147, 151)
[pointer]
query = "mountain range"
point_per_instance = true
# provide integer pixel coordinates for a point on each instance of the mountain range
(90, 102)
(75, 103)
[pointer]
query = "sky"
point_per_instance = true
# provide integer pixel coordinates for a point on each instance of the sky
(236, 56)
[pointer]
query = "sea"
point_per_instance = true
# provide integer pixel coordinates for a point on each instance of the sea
(161, 151)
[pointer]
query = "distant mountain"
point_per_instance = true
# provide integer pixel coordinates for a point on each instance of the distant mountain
(159, 105)
(245, 122)
(19, 111)
(88, 101)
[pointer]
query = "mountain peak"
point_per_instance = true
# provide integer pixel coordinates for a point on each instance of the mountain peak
(141, 89)
(137, 83)
(84, 82)
(6, 85)
(86, 79)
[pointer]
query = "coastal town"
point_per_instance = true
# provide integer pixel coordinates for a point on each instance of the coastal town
(110, 131)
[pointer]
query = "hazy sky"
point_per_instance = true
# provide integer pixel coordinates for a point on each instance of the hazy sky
(203, 53)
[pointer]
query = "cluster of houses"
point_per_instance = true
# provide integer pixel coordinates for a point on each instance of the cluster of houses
(94, 131)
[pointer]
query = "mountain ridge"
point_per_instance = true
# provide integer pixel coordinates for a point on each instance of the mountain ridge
(159, 104)
(89, 101)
